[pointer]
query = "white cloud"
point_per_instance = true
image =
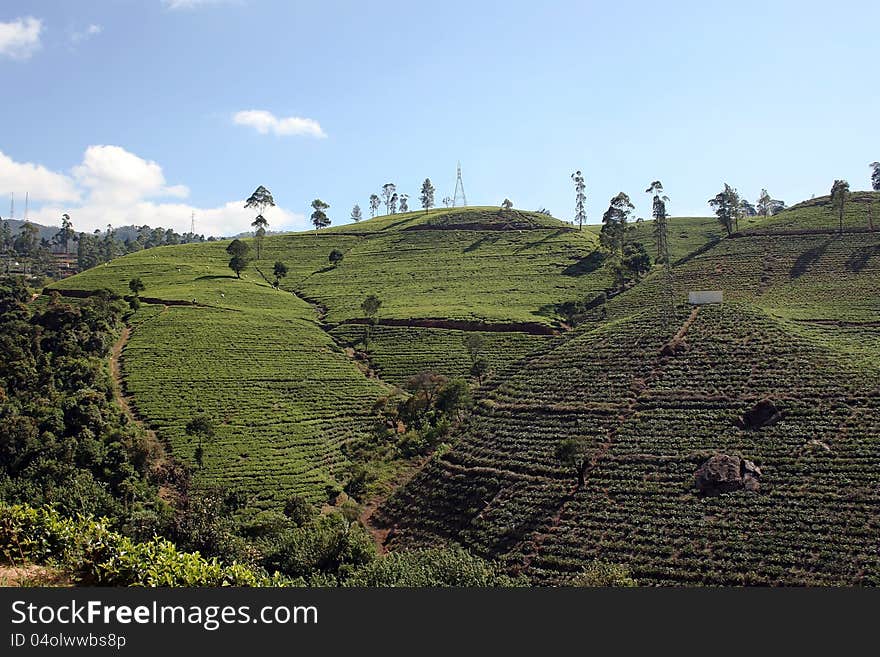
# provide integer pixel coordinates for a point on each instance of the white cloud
(78, 36)
(195, 4)
(20, 38)
(265, 122)
(113, 186)
(38, 181)
(115, 176)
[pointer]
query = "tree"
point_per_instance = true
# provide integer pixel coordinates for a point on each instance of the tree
(136, 285)
(336, 257)
(726, 206)
(572, 454)
(479, 368)
(474, 343)
(319, 217)
(613, 232)
(426, 197)
(875, 176)
(374, 204)
(580, 198)
(658, 211)
(260, 200)
(763, 204)
(63, 236)
(747, 209)
(202, 427)
(393, 205)
(404, 202)
(260, 224)
(279, 271)
(636, 260)
(447, 201)
(356, 215)
(371, 306)
(388, 190)
(506, 205)
(240, 256)
(839, 195)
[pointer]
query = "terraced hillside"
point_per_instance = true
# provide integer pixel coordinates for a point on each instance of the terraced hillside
(272, 365)
(648, 422)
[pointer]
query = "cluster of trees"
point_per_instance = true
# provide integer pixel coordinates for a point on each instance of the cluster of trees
(64, 441)
(729, 207)
(627, 261)
(395, 202)
(35, 253)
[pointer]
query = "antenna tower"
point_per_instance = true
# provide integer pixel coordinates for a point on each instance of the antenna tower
(26, 205)
(192, 224)
(459, 185)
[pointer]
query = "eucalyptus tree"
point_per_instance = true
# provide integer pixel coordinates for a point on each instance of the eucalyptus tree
(426, 197)
(580, 198)
(839, 196)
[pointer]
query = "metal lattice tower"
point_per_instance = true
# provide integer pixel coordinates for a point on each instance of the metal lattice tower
(192, 224)
(459, 185)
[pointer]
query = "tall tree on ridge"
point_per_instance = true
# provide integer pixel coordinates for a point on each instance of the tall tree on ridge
(427, 195)
(374, 204)
(259, 201)
(404, 202)
(356, 215)
(875, 176)
(613, 233)
(388, 191)
(726, 206)
(580, 198)
(658, 211)
(319, 216)
(839, 195)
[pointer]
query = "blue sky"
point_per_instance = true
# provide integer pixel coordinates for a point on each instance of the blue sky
(123, 111)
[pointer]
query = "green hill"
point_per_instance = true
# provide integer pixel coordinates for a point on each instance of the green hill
(295, 374)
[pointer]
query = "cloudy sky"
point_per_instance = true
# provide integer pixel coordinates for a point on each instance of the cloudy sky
(145, 111)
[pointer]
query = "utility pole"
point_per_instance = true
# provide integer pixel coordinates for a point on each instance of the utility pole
(459, 185)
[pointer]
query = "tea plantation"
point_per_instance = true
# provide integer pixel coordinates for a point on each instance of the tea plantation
(294, 376)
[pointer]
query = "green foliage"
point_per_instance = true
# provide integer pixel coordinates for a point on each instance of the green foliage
(614, 223)
(600, 573)
(452, 566)
(136, 285)
(240, 256)
(727, 208)
(336, 256)
(319, 216)
(96, 555)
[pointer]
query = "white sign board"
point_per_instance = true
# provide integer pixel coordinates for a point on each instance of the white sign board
(701, 297)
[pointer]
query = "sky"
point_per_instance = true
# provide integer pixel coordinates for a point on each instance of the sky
(146, 111)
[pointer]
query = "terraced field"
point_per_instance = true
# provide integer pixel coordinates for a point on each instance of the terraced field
(396, 353)
(649, 422)
(265, 363)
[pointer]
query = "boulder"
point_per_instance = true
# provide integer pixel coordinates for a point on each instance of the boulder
(726, 474)
(763, 414)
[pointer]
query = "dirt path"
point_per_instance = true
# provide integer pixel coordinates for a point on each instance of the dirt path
(123, 401)
(380, 534)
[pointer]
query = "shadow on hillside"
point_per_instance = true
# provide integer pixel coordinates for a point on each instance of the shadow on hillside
(808, 258)
(211, 278)
(858, 260)
(489, 239)
(585, 265)
(397, 223)
(551, 236)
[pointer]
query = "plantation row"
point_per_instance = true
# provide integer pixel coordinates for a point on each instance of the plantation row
(398, 353)
(503, 492)
(801, 277)
(284, 396)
